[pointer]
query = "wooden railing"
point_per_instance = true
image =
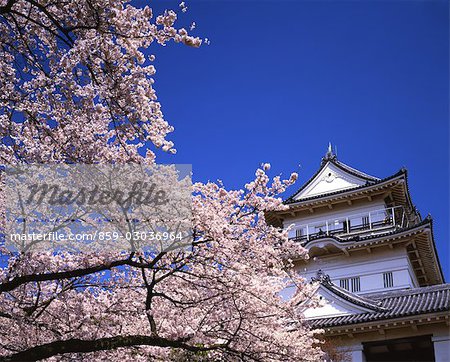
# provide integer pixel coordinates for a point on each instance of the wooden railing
(354, 224)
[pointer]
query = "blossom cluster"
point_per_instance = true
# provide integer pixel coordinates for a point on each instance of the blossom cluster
(74, 74)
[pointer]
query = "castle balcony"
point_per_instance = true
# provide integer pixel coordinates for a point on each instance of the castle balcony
(365, 223)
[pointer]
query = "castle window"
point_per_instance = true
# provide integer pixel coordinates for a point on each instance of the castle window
(350, 284)
(346, 226)
(344, 283)
(356, 284)
(388, 280)
(365, 222)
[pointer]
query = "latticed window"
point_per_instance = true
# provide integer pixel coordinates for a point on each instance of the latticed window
(346, 226)
(344, 283)
(356, 284)
(350, 284)
(365, 221)
(388, 280)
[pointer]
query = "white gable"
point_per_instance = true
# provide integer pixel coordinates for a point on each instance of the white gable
(330, 179)
(331, 305)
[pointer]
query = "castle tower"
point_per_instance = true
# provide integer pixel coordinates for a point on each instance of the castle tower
(374, 261)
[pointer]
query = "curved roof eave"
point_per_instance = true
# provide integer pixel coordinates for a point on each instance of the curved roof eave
(401, 304)
(290, 200)
(353, 298)
(438, 262)
(340, 165)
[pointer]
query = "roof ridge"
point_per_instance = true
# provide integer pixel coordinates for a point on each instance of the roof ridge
(330, 157)
(290, 199)
(324, 280)
(354, 170)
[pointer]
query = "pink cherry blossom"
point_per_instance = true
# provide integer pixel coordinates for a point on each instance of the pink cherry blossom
(78, 88)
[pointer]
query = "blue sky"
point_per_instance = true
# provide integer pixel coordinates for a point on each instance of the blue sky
(282, 79)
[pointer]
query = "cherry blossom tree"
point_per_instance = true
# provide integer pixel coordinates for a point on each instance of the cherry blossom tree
(77, 88)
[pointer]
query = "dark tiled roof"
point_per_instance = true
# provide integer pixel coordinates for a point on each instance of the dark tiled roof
(354, 171)
(332, 159)
(395, 304)
(290, 200)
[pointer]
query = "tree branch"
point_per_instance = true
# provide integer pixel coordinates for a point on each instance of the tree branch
(7, 8)
(23, 279)
(103, 344)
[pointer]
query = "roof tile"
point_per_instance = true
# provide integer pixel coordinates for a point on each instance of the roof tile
(395, 304)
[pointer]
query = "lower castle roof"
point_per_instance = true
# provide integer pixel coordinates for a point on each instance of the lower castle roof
(392, 304)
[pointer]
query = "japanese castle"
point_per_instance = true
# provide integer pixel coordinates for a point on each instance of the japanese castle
(382, 292)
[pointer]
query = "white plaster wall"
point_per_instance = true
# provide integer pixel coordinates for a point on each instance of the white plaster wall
(327, 309)
(369, 267)
(317, 218)
(330, 179)
(441, 343)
